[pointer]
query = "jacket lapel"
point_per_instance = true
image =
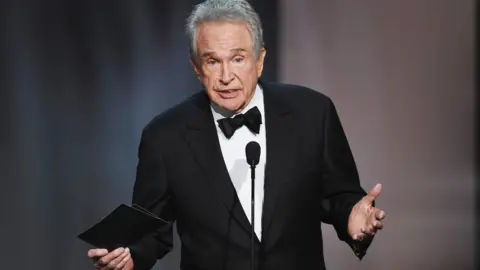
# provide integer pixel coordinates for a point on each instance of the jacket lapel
(203, 141)
(280, 150)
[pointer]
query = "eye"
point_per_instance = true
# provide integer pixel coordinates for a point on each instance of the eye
(238, 59)
(211, 62)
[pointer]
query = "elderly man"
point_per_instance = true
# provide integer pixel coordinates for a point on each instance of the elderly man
(192, 166)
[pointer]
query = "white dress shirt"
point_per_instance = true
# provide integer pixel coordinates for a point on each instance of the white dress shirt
(233, 151)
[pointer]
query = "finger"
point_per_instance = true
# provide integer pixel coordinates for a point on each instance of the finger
(124, 261)
(99, 265)
(105, 260)
(113, 264)
(376, 215)
(378, 225)
(358, 237)
(369, 231)
(380, 215)
(97, 252)
(374, 192)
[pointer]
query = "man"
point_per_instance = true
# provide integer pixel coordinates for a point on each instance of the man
(192, 166)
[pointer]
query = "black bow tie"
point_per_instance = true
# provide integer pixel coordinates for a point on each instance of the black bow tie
(251, 119)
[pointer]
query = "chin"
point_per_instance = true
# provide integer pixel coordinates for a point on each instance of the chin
(231, 105)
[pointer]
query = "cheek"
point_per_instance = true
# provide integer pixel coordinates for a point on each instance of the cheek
(207, 79)
(248, 77)
(209, 83)
(242, 73)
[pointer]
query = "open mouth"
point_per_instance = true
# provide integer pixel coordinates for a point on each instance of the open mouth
(227, 94)
(227, 90)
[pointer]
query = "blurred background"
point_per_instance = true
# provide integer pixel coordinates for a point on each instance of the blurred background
(80, 79)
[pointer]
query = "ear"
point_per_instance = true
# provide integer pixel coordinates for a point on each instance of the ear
(195, 68)
(260, 60)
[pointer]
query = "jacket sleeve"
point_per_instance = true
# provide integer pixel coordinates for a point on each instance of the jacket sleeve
(341, 188)
(151, 191)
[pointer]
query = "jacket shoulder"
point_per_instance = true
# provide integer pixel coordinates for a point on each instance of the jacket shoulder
(299, 96)
(174, 117)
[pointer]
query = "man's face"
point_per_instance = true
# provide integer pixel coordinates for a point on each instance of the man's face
(227, 65)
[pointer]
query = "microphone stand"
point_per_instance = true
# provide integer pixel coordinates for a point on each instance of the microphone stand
(252, 214)
(252, 153)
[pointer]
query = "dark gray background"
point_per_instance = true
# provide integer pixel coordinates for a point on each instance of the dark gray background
(80, 79)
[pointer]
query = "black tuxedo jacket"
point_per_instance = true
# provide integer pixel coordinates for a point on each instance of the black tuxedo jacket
(310, 178)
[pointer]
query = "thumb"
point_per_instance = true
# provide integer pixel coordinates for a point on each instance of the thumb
(373, 193)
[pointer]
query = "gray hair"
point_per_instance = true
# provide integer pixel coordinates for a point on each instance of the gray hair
(224, 10)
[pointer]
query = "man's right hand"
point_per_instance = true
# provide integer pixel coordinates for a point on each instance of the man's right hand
(120, 258)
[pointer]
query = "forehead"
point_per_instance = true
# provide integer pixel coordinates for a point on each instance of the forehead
(223, 36)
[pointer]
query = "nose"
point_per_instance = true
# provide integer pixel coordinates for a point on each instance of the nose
(226, 75)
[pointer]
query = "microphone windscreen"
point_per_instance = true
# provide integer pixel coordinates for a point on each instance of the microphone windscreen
(252, 152)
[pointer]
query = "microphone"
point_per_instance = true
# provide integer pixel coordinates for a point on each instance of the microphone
(252, 152)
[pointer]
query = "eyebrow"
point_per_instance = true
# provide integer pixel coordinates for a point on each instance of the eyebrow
(238, 50)
(208, 54)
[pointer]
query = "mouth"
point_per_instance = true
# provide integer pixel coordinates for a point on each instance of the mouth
(226, 90)
(227, 93)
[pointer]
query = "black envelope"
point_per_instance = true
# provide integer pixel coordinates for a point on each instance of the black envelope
(122, 227)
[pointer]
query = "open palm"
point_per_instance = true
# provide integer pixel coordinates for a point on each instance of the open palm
(365, 219)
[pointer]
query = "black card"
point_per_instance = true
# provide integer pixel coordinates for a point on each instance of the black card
(122, 227)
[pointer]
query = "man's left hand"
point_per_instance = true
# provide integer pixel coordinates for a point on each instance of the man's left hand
(365, 219)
